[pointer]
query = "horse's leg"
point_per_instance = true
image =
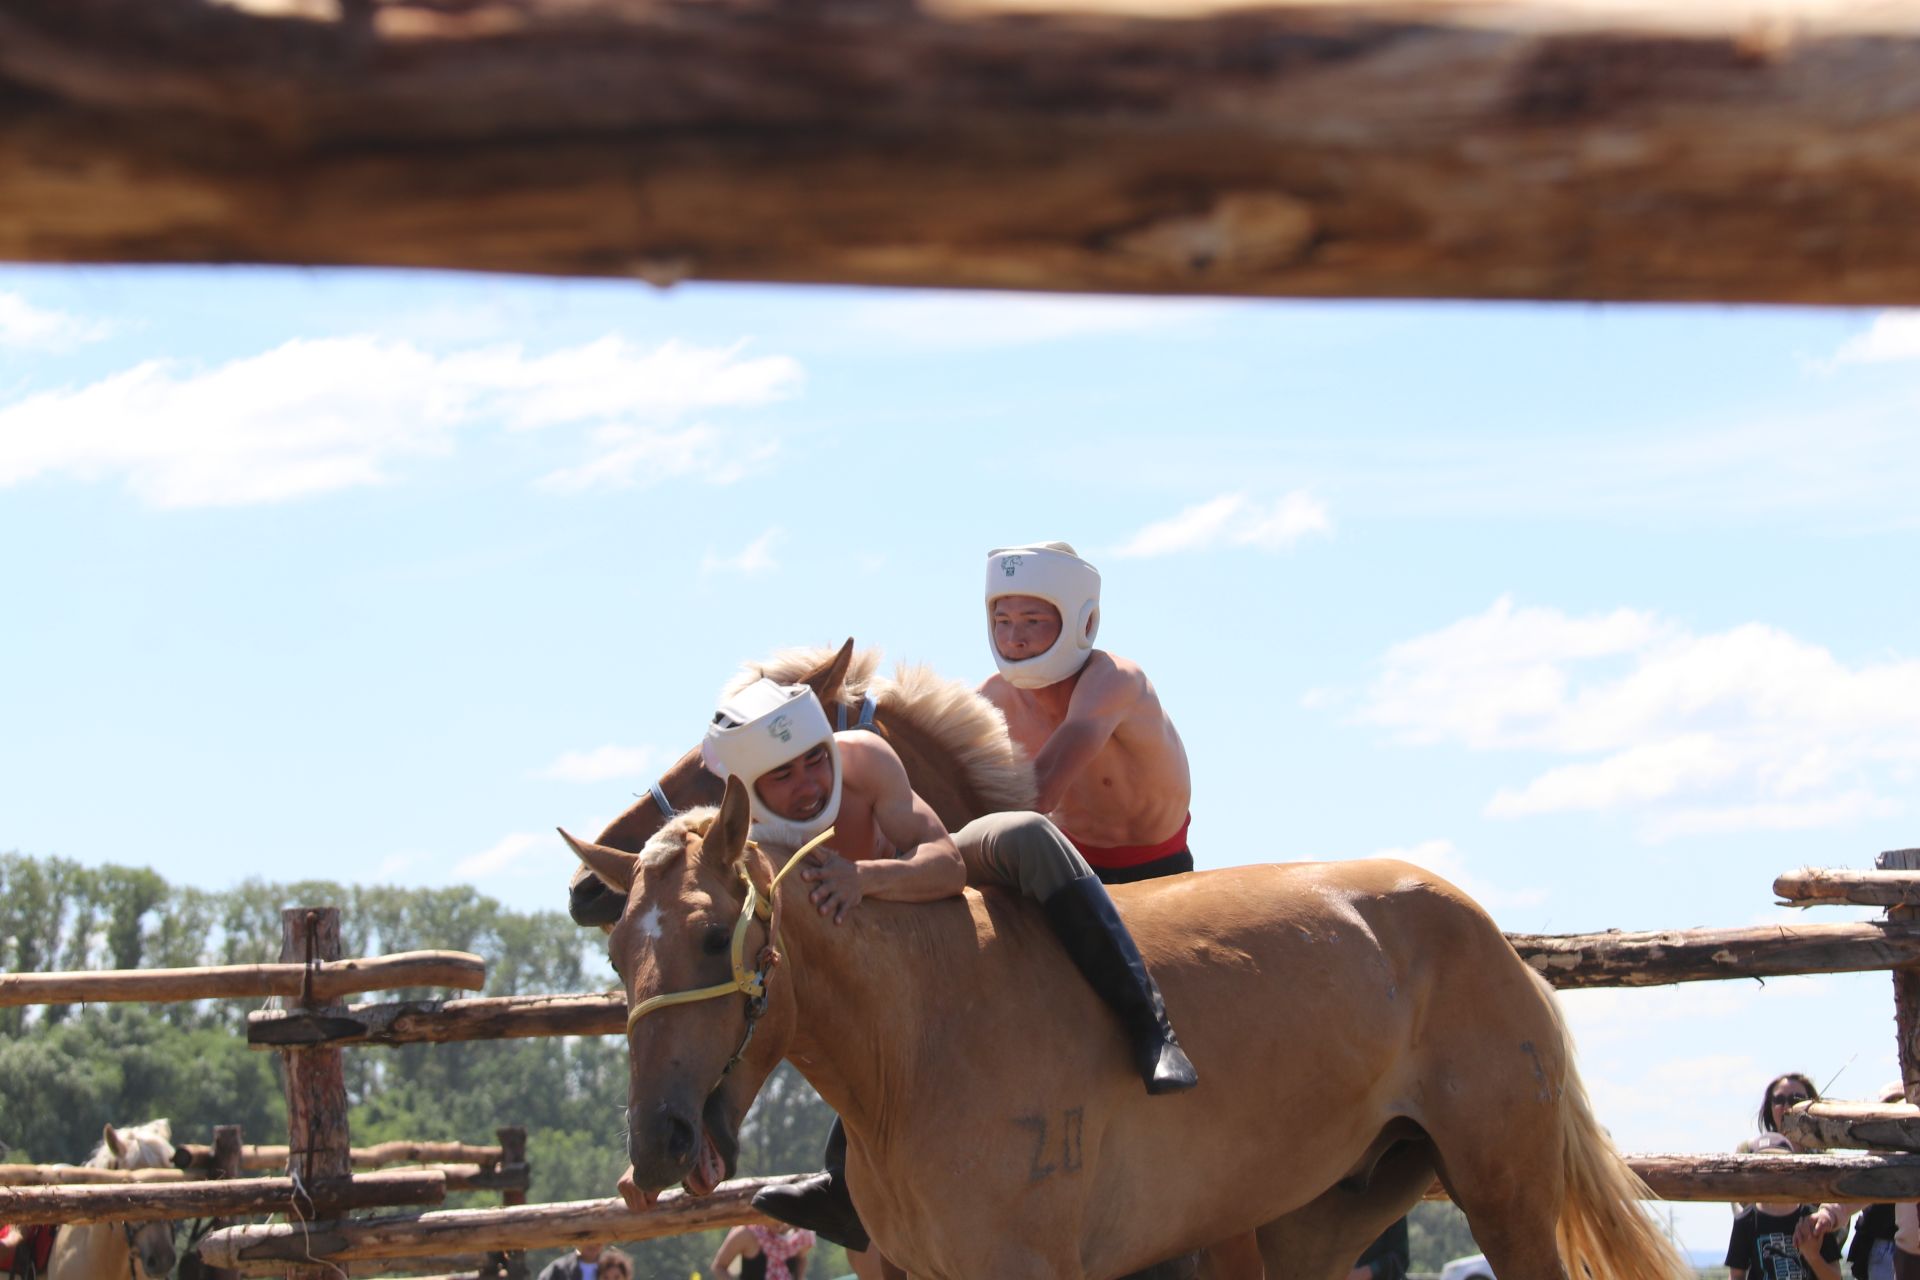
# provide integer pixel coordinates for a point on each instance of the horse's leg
(1235, 1259)
(1321, 1240)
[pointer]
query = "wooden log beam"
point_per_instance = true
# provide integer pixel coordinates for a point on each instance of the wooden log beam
(524, 1227)
(261, 1157)
(464, 1264)
(1813, 886)
(1885, 1126)
(148, 1202)
(1721, 150)
(460, 970)
(223, 1165)
(79, 1175)
(1568, 961)
(1743, 1179)
(1616, 959)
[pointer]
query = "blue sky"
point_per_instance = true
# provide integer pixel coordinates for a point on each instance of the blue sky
(1606, 613)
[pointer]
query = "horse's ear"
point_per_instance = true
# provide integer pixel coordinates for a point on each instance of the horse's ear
(828, 679)
(617, 868)
(727, 837)
(113, 1142)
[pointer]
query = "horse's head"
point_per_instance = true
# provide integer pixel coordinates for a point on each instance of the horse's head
(146, 1146)
(695, 1065)
(689, 784)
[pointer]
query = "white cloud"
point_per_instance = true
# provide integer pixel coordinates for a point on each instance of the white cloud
(1744, 729)
(1233, 520)
(1445, 861)
(600, 764)
(24, 325)
(312, 416)
(755, 557)
(1894, 335)
(509, 854)
(976, 321)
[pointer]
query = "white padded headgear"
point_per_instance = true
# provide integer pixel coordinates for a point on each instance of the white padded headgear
(1051, 571)
(760, 728)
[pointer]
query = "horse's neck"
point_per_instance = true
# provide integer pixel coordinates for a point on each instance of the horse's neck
(863, 995)
(935, 775)
(97, 1252)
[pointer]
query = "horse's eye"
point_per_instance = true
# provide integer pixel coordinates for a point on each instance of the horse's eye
(717, 942)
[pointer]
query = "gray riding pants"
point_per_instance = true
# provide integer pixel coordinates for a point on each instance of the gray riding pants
(1021, 851)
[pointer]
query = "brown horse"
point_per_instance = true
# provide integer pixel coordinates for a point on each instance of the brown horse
(954, 746)
(1359, 1027)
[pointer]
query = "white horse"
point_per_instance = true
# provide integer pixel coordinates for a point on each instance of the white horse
(120, 1250)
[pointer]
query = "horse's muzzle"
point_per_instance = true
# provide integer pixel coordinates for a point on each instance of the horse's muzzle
(662, 1144)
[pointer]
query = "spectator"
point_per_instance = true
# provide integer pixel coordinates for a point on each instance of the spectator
(579, 1264)
(1388, 1258)
(1781, 1241)
(765, 1253)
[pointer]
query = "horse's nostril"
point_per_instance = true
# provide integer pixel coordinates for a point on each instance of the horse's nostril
(679, 1138)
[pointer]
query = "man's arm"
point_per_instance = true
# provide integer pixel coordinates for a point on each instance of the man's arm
(1100, 703)
(929, 866)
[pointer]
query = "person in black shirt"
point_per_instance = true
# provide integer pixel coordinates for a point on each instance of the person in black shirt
(1776, 1241)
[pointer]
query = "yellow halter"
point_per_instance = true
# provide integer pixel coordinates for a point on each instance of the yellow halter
(750, 982)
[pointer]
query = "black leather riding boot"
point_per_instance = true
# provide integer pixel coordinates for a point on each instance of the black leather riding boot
(1101, 948)
(819, 1202)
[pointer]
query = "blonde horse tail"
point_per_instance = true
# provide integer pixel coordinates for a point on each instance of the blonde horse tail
(1604, 1233)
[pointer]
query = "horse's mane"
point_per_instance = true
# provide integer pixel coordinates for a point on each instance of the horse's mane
(963, 723)
(670, 841)
(152, 1145)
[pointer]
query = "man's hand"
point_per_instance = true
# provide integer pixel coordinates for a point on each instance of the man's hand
(637, 1200)
(836, 884)
(1810, 1230)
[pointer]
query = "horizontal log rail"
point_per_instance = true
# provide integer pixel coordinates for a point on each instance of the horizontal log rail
(524, 1227)
(1811, 886)
(1886, 1126)
(80, 1175)
(466, 1266)
(323, 1197)
(1568, 961)
(1705, 151)
(260, 1158)
(1704, 1178)
(461, 970)
(460, 1177)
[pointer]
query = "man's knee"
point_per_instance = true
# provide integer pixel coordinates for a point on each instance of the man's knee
(1037, 858)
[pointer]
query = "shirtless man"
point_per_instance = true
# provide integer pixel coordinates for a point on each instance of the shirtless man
(1111, 768)
(889, 844)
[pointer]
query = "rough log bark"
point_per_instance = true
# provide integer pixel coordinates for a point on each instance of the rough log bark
(242, 1197)
(319, 1145)
(1715, 150)
(526, 1227)
(1616, 959)
(1812, 886)
(1568, 961)
(1741, 1179)
(1887, 1126)
(79, 1175)
(460, 970)
(259, 1158)
(224, 1166)
(1906, 982)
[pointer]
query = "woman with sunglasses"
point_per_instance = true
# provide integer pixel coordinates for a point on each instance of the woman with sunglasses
(1784, 1091)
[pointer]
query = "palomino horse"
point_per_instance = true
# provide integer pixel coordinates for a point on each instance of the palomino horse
(957, 755)
(120, 1250)
(954, 746)
(1359, 1027)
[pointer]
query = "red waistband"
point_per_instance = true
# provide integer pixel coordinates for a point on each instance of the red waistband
(1132, 855)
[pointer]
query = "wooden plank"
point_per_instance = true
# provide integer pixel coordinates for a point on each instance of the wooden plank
(224, 1166)
(148, 1202)
(443, 1022)
(78, 1175)
(461, 970)
(1743, 1179)
(1812, 886)
(1886, 1126)
(1706, 151)
(524, 1227)
(1906, 981)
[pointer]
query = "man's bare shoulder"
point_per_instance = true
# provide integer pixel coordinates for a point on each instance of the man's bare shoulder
(1108, 675)
(996, 690)
(863, 750)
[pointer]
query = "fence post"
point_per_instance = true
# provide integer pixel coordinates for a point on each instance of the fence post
(317, 1139)
(1906, 982)
(513, 1151)
(226, 1164)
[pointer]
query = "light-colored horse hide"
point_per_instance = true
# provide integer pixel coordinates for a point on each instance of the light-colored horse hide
(116, 1250)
